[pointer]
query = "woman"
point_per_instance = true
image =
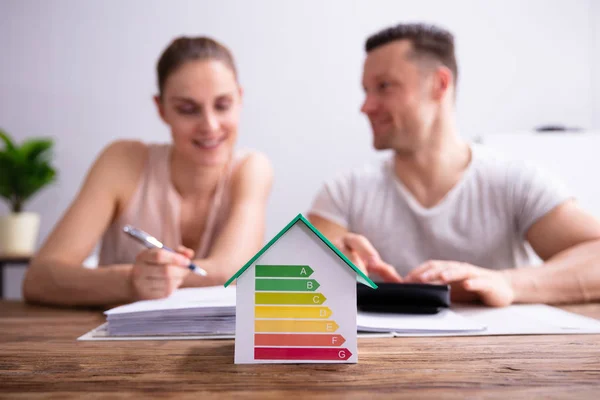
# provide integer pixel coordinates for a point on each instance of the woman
(196, 193)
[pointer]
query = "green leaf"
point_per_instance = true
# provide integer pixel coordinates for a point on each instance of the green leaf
(25, 169)
(7, 140)
(33, 149)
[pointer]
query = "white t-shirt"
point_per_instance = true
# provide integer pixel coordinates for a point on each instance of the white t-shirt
(483, 220)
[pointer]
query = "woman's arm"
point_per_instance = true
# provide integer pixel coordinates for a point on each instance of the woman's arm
(56, 275)
(243, 234)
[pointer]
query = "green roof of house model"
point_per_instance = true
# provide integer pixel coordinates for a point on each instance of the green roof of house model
(362, 278)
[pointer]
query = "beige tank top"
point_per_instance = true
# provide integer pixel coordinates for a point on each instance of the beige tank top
(155, 208)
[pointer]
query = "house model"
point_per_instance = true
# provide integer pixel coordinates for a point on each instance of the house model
(296, 301)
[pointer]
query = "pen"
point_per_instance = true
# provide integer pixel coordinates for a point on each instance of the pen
(152, 243)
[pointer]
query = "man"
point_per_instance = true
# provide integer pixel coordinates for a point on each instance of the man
(441, 210)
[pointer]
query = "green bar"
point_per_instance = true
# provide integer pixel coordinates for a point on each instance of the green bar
(288, 298)
(291, 285)
(284, 271)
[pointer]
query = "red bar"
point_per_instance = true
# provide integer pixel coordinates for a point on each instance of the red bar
(290, 353)
(287, 339)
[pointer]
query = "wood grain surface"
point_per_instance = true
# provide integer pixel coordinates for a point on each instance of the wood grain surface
(40, 358)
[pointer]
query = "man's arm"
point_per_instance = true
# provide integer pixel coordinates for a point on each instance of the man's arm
(332, 231)
(356, 247)
(568, 240)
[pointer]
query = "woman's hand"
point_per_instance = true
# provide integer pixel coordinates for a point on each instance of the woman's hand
(157, 272)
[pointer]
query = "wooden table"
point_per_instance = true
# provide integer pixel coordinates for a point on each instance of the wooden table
(6, 260)
(39, 357)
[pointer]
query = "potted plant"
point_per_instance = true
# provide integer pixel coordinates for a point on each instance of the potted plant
(24, 170)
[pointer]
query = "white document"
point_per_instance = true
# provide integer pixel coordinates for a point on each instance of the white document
(446, 321)
(529, 319)
(207, 299)
(520, 319)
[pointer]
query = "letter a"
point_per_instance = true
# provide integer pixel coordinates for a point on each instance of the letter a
(303, 271)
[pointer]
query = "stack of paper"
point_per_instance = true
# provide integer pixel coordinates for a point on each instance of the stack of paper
(185, 312)
(209, 313)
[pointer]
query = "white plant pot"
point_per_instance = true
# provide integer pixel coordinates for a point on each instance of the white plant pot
(19, 233)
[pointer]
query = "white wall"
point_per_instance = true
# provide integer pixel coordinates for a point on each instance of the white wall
(83, 72)
(595, 53)
(570, 159)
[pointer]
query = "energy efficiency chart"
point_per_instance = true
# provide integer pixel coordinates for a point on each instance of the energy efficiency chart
(292, 321)
(296, 301)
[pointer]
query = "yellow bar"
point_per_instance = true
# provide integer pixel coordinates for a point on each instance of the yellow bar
(289, 298)
(282, 325)
(291, 312)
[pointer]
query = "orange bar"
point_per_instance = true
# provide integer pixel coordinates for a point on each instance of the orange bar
(271, 339)
(294, 325)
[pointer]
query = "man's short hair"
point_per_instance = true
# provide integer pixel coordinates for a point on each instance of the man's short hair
(428, 41)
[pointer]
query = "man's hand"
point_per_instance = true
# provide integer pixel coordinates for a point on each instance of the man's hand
(493, 288)
(362, 253)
